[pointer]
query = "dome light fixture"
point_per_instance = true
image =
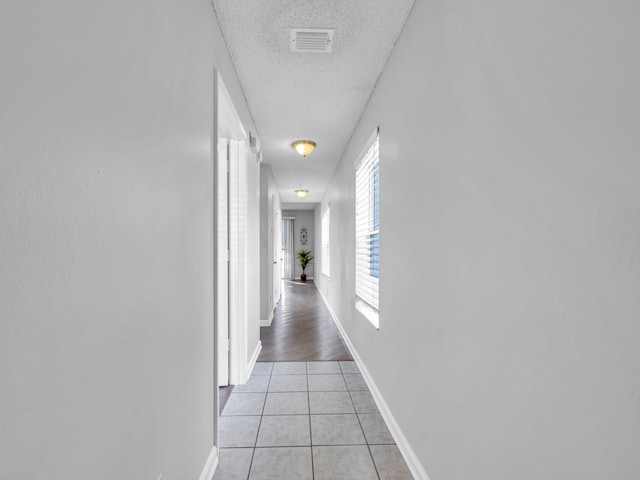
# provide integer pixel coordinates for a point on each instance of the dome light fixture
(301, 193)
(304, 147)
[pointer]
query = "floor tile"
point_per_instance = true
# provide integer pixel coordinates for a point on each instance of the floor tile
(343, 463)
(284, 431)
(389, 462)
(283, 463)
(330, 402)
(355, 382)
(318, 368)
(364, 402)
(336, 430)
(238, 431)
(288, 383)
(234, 464)
(326, 383)
(349, 367)
(244, 404)
(290, 403)
(258, 383)
(375, 429)
(262, 368)
(289, 368)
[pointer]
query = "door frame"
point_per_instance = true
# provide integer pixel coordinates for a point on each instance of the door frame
(276, 274)
(226, 124)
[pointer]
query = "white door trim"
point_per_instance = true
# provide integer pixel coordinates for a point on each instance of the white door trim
(226, 124)
(210, 467)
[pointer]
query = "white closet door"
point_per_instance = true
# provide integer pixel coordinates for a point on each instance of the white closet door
(222, 274)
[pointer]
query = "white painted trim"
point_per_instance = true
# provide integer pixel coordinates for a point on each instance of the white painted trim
(267, 322)
(416, 468)
(211, 465)
(228, 118)
(228, 122)
(254, 359)
(214, 267)
(366, 147)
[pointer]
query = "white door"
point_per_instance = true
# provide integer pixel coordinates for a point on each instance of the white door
(222, 275)
(230, 335)
(277, 251)
(238, 265)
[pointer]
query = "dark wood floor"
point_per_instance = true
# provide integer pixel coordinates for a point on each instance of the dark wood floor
(302, 329)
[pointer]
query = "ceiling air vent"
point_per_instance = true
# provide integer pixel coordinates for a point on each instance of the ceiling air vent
(313, 40)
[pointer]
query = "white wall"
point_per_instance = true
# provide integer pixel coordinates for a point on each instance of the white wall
(269, 200)
(510, 245)
(303, 218)
(106, 331)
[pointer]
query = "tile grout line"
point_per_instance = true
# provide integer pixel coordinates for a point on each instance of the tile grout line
(361, 428)
(313, 467)
(309, 415)
(318, 445)
(284, 446)
(255, 445)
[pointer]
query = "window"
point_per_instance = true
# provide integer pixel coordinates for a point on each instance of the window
(326, 246)
(368, 231)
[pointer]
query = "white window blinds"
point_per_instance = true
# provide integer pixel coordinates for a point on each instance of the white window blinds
(368, 232)
(326, 246)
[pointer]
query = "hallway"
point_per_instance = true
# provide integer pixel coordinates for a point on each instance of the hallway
(311, 416)
(471, 203)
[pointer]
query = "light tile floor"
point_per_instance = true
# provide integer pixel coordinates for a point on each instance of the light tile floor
(306, 420)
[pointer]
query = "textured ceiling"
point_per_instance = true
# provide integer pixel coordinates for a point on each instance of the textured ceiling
(315, 96)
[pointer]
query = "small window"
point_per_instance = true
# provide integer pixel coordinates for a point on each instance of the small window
(326, 245)
(368, 231)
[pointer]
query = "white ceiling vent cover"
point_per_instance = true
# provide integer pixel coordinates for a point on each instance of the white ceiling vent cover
(311, 40)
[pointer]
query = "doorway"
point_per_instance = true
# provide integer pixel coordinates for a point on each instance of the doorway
(276, 271)
(229, 256)
(287, 248)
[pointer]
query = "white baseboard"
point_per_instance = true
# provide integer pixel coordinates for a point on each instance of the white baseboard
(211, 465)
(416, 468)
(267, 322)
(254, 359)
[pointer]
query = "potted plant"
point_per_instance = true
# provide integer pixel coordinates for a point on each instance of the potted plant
(304, 258)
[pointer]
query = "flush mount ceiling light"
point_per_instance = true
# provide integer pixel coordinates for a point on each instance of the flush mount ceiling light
(304, 147)
(301, 193)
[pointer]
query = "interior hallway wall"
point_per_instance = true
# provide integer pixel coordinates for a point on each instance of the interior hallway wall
(269, 202)
(510, 239)
(304, 218)
(106, 330)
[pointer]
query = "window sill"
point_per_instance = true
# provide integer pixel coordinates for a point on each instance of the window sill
(369, 313)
